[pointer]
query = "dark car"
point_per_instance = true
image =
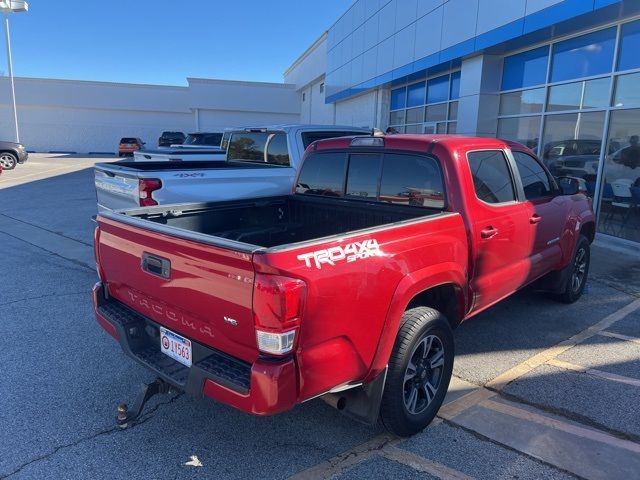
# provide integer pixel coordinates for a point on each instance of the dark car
(171, 138)
(128, 145)
(11, 154)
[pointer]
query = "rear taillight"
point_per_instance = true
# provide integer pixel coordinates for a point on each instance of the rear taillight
(96, 241)
(146, 187)
(278, 303)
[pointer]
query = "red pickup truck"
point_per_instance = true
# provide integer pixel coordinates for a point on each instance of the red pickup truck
(349, 288)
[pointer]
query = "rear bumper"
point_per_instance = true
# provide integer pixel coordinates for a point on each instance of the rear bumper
(263, 388)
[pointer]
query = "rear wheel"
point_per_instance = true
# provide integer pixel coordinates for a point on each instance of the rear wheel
(578, 272)
(419, 371)
(8, 160)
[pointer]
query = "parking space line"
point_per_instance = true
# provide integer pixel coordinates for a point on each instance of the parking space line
(452, 409)
(576, 430)
(422, 464)
(594, 372)
(505, 378)
(619, 336)
(336, 465)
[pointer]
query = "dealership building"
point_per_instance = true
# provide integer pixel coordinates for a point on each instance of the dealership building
(560, 76)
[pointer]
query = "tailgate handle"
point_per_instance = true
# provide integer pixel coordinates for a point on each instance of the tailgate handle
(158, 266)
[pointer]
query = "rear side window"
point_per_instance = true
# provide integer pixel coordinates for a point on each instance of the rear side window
(322, 174)
(277, 149)
(535, 181)
(250, 147)
(491, 176)
(412, 180)
(362, 177)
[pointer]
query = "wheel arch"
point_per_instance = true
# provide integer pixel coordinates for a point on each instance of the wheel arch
(442, 288)
(589, 230)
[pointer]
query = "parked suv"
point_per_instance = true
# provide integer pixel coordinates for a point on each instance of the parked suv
(11, 154)
(171, 138)
(128, 145)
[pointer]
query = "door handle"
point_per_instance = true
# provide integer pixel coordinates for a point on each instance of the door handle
(488, 233)
(535, 219)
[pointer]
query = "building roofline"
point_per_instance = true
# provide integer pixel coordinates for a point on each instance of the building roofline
(307, 52)
(239, 82)
(98, 82)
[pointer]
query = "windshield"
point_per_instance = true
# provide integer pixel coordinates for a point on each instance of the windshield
(210, 139)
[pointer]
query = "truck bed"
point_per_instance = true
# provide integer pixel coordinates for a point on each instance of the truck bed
(132, 167)
(278, 221)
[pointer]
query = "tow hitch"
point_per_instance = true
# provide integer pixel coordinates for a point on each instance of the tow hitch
(126, 416)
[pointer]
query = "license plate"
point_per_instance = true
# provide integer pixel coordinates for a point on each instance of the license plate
(175, 346)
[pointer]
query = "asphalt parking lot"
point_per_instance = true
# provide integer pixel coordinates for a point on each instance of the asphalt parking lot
(541, 389)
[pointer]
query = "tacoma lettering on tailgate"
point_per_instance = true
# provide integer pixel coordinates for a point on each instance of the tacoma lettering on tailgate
(349, 253)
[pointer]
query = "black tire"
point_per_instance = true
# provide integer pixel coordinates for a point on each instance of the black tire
(577, 272)
(8, 160)
(418, 326)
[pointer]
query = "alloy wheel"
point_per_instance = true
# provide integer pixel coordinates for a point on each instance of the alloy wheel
(423, 374)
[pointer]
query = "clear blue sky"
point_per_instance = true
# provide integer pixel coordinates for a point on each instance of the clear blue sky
(155, 41)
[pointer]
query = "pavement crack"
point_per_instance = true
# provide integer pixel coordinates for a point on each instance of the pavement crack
(115, 429)
(46, 230)
(27, 299)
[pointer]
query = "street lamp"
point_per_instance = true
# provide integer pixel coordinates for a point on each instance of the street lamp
(9, 6)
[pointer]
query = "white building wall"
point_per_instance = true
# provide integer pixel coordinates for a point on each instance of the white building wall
(307, 73)
(79, 116)
(360, 111)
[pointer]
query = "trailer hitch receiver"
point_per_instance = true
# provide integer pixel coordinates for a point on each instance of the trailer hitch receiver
(127, 416)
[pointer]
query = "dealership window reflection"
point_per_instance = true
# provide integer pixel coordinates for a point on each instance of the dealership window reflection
(620, 205)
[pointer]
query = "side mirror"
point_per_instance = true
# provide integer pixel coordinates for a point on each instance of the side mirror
(569, 185)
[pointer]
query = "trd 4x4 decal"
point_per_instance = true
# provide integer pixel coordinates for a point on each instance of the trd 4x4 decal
(349, 253)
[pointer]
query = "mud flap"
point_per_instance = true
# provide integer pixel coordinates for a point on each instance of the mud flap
(361, 404)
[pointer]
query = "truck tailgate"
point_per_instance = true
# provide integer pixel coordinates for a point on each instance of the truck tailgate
(115, 191)
(202, 292)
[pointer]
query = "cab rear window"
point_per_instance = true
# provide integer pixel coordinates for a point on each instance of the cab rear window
(404, 179)
(259, 147)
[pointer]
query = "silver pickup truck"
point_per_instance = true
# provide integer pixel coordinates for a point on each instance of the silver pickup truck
(261, 162)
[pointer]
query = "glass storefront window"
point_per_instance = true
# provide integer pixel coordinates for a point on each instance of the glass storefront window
(415, 115)
(524, 130)
(453, 128)
(396, 118)
(438, 89)
(620, 204)
(525, 69)
(627, 92)
(584, 56)
(629, 46)
(565, 97)
(579, 95)
(571, 145)
(412, 129)
(523, 102)
(596, 93)
(416, 94)
(436, 113)
(441, 128)
(398, 98)
(455, 86)
(453, 111)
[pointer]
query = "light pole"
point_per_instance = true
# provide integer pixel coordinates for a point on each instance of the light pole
(9, 6)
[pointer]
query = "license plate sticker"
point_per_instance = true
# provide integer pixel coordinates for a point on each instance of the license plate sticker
(175, 346)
